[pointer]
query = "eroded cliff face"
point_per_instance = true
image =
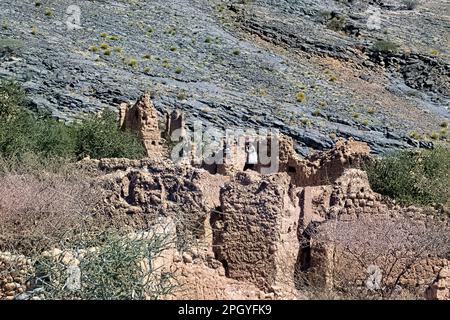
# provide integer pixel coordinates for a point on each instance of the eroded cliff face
(241, 64)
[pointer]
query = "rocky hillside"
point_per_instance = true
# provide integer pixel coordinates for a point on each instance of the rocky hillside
(317, 70)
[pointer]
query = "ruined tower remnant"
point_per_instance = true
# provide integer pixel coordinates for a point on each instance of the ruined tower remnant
(142, 118)
(175, 123)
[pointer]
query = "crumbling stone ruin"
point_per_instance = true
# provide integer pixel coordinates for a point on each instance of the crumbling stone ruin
(350, 200)
(440, 288)
(248, 234)
(254, 228)
(142, 118)
(257, 225)
(175, 125)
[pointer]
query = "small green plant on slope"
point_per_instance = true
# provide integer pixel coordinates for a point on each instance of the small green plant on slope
(386, 46)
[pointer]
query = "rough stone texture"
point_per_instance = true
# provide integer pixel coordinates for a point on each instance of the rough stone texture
(139, 192)
(324, 167)
(14, 272)
(142, 118)
(234, 158)
(284, 47)
(175, 123)
(200, 282)
(440, 288)
(253, 231)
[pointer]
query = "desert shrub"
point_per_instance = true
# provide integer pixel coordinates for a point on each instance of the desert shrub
(25, 132)
(374, 256)
(300, 96)
(100, 137)
(38, 212)
(386, 46)
(337, 23)
(122, 268)
(413, 177)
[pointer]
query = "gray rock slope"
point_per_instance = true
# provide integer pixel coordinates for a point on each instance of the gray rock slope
(308, 68)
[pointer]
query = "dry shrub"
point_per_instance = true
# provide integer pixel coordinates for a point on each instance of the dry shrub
(394, 246)
(40, 211)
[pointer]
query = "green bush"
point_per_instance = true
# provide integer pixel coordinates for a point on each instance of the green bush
(11, 96)
(100, 137)
(24, 132)
(413, 177)
(117, 270)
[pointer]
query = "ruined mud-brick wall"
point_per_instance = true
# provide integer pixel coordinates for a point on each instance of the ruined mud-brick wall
(139, 192)
(175, 125)
(234, 161)
(142, 118)
(254, 234)
(350, 198)
(321, 168)
(440, 288)
(14, 271)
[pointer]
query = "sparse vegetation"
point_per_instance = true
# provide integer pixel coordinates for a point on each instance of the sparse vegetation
(93, 48)
(337, 23)
(415, 135)
(386, 46)
(434, 135)
(132, 62)
(48, 12)
(120, 269)
(182, 95)
(306, 122)
(300, 97)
